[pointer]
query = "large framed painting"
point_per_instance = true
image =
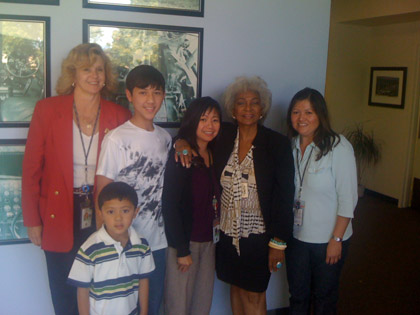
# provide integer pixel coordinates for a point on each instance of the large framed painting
(387, 86)
(49, 2)
(11, 221)
(24, 67)
(177, 7)
(175, 51)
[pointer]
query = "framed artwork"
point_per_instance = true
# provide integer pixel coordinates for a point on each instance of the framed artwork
(387, 86)
(175, 51)
(177, 7)
(24, 67)
(11, 221)
(50, 2)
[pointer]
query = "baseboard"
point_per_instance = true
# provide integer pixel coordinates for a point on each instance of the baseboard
(279, 311)
(381, 196)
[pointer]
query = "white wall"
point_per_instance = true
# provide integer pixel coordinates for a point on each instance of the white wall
(285, 42)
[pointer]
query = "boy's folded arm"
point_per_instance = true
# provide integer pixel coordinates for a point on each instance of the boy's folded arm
(83, 300)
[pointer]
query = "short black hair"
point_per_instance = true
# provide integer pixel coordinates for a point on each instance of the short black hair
(191, 119)
(117, 190)
(143, 76)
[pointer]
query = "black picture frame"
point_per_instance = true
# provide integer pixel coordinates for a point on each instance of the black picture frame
(197, 11)
(174, 50)
(47, 2)
(387, 86)
(12, 230)
(24, 68)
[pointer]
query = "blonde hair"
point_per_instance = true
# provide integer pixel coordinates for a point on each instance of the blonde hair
(85, 55)
(244, 84)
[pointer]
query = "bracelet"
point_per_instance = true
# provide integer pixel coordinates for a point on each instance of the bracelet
(277, 242)
(276, 246)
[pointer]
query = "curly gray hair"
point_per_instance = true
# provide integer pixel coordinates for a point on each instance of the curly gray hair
(243, 84)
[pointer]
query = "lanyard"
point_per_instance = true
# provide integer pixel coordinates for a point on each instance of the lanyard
(85, 187)
(213, 184)
(302, 176)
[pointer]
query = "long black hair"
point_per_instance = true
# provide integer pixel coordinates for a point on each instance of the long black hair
(324, 138)
(189, 124)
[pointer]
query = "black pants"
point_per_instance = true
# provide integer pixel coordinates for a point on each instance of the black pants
(64, 296)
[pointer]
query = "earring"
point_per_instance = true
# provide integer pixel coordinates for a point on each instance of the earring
(104, 84)
(261, 116)
(72, 84)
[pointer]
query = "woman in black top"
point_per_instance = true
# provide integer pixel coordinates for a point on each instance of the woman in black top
(255, 167)
(190, 205)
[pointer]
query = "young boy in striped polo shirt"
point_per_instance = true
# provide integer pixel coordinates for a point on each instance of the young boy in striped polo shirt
(112, 266)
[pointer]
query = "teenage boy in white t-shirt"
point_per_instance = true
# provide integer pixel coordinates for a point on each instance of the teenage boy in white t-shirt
(136, 153)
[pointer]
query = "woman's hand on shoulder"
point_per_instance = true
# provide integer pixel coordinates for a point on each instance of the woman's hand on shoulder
(35, 234)
(181, 147)
(184, 263)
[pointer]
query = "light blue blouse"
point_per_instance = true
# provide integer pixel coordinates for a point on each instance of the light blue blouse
(329, 189)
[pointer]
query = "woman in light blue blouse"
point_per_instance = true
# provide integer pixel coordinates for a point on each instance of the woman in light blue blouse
(325, 198)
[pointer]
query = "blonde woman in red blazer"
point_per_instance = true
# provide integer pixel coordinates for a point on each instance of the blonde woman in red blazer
(59, 215)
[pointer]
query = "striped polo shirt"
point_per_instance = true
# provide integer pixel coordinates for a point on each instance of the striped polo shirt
(111, 272)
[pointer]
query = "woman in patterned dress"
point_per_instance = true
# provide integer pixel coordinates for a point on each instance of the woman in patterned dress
(255, 167)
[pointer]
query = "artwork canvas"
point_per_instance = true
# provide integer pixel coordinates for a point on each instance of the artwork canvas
(24, 67)
(11, 220)
(175, 51)
(48, 2)
(177, 7)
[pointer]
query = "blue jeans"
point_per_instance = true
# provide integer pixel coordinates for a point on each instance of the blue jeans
(311, 278)
(157, 281)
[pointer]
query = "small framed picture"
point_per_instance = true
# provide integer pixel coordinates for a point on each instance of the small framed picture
(12, 230)
(387, 86)
(24, 67)
(176, 7)
(174, 50)
(49, 2)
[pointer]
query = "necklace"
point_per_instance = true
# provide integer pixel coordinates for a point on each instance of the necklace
(84, 121)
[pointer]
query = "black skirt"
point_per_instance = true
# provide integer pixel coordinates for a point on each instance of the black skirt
(248, 271)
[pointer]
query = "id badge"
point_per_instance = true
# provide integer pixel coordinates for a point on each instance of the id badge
(87, 214)
(244, 190)
(216, 230)
(298, 207)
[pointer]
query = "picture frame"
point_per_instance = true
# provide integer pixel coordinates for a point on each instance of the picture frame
(174, 7)
(12, 230)
(47, 2)
(387, 86)
(24, 67)
(175, 51)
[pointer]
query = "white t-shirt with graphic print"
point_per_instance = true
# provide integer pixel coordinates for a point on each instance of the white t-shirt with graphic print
(138, 157)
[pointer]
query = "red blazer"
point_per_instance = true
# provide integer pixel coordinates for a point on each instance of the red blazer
(47, 179)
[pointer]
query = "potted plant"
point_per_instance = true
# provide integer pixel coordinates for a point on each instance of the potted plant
(367, 151)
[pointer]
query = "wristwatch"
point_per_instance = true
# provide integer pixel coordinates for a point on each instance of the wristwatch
(337, 239)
